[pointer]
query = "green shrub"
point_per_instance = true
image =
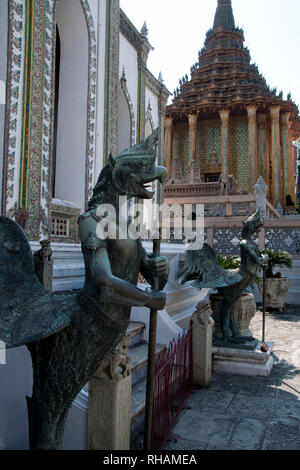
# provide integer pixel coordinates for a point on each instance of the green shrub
(229, 262)
(277, 258)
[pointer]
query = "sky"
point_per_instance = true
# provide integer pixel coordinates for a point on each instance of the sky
(177, 32)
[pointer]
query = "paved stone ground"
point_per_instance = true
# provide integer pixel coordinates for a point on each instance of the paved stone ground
(249, 413)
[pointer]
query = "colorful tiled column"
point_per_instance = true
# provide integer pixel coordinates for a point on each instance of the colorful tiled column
(262, 153)
(168, 143)
(252, 146)
(224, 115)
(32, 211)
(275, 156)
(13, 13)
(286, 168)
(112, 78)
(192, 138)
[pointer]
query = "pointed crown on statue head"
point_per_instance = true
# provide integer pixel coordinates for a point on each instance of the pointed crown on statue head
(255, 221)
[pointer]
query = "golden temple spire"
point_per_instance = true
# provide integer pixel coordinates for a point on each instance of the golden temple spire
(224, 19)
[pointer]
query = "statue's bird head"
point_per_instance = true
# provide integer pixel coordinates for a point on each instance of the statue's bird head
(253, 224)
(132, 172)
(133, 175)
(135, 169)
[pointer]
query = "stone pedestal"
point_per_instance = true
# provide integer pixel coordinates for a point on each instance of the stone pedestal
(244, 310)
(202, 344)
(241, 362)
(276, 291)
(109, 409)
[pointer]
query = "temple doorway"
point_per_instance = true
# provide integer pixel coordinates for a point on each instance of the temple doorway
(70, 126)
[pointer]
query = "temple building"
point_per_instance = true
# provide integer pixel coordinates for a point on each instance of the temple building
(225, 120)
(74, 86)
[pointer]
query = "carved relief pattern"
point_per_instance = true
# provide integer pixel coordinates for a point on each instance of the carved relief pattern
(282, 239)
(91, 108)
(245, 310)
(13, 108)
(117, 365)
(48, 99)
(227, 241)
(128, 32)
(112, 77)
(29, 198)
(204, 313)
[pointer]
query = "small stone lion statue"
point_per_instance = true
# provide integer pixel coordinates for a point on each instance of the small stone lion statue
(118, 364)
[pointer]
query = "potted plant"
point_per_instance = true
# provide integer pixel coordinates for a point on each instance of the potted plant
(244, 307)
(276, 286)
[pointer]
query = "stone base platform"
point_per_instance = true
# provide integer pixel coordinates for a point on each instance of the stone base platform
(242, 362)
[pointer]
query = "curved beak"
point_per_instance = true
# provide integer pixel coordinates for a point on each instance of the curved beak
(161, 174)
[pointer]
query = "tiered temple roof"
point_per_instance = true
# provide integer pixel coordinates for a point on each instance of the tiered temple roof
(223, 78)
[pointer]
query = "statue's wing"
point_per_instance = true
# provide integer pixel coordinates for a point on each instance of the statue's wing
(201, 266)
(27, 311)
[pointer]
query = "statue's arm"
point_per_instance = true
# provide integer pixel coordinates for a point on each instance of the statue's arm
(103, 277)
(151, 267)
(99, 268)
(260, 260)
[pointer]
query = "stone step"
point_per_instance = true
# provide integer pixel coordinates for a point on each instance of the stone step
(138, 354)
(138, 398)
(139, 358)
(135, 331)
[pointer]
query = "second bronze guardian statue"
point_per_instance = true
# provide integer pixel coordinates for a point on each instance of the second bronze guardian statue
(202, 268)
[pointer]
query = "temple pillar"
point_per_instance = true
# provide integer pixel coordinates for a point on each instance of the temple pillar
(252, 146)
(287, 159)
(168, 143)
(192, 138)
(262, 154)
(224, 115)
(275, 156)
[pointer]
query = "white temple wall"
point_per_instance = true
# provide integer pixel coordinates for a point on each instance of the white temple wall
(3, 62)
(128, 61)
(101, 31)
(72, 104)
